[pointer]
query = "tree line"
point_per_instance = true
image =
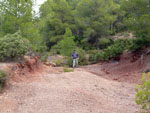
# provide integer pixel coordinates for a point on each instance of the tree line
(88, 20)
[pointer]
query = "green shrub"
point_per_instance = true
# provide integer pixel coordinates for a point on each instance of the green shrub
(142, 41)
(12, 46)
(117, 48)
(104, 42)
(143, 94)
(98, 57)
(92, 55)
(69, 61)
(82, 56)
(112, 51)
(3, 78)
(95, 56)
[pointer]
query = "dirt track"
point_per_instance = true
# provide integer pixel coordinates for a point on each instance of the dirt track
(75, 92)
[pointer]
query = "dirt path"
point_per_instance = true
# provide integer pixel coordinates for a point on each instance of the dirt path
(74, 92)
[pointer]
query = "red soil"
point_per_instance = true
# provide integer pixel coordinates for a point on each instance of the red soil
(28, 70)
(127, 68)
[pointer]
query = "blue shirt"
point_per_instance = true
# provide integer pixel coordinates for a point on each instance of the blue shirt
(75, 55)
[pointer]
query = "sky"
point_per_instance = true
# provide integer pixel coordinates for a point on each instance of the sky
(37, 5)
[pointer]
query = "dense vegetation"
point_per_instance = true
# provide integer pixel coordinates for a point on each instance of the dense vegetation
(64, 25)
(90, 21)
(112, 51)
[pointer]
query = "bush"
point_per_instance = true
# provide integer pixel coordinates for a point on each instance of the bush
(112, 51)
(92, 54)
(104, 42)
(69, 61)
(82, 56)
(143, 94)
(12, 46)
(138, 43)
(95, 56)
(3, 78)
(98, 57)
(117, 48)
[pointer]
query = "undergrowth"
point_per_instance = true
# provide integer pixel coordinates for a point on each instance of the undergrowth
(3, 78)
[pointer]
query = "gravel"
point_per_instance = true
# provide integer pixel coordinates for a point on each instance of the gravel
(74, 92)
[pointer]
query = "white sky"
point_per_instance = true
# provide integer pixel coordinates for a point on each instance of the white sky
(37, 5)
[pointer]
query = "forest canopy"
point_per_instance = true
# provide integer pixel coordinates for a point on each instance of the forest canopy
(91, 22)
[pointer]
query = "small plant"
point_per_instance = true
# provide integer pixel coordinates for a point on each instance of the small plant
(3, 78)
(143, 94)
(66, 69)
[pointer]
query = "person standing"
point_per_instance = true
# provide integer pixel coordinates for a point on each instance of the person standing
(75, 57)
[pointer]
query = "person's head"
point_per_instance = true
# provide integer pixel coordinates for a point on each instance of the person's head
(74, 50)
